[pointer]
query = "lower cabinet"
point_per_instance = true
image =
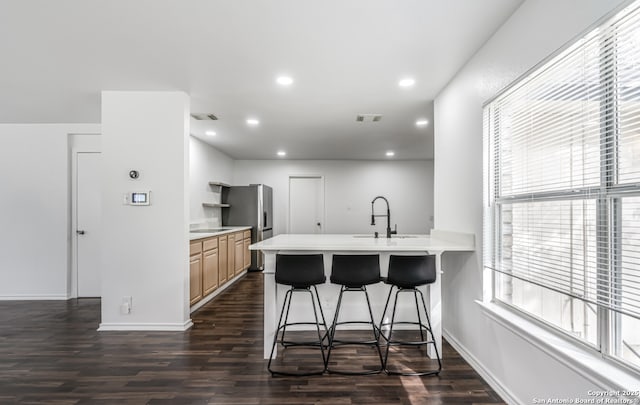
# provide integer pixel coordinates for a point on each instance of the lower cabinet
(195, 272)
(239, 253)
(231, 256)
(209, 271)
(216, 261)
(247, 252)
(222, 260)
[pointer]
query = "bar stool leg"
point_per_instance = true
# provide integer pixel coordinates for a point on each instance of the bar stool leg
(393, 318)
(415, 295)
(332, 330)
(433, 339)
(320, 336)
(324, 322)
(282, 326)
(287, 296)
(384, 312)
(374, 329)
(390, 340)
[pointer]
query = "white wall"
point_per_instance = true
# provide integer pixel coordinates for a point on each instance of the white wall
(34, 209)
(349, 188)
(206, 164)
(536, 29)
(145, 249)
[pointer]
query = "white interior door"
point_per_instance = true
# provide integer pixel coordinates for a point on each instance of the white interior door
(88, 223)
(306, 205)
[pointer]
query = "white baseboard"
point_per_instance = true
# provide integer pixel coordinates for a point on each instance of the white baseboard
(38, 297)
(491, 379)
(158, 327)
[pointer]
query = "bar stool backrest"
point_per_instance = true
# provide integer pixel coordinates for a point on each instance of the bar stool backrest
(411, 271)
(300, 271)
(355, 270)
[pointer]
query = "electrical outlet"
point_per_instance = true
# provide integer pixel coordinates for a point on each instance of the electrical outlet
(127, 304)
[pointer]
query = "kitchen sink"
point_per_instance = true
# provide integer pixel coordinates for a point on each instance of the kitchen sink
(212, 230)
(384, 237)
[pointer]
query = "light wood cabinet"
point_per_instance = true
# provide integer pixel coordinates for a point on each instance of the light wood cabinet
(210, 270)
(215, 261)
(195, 248)
(222, 259)
(247, 253)
(239, 253)
(195, 273)
(210, 243)
(231, 256)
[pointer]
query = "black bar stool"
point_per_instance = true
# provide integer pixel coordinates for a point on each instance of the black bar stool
(301, 273)
(354, 273)
(407, 273)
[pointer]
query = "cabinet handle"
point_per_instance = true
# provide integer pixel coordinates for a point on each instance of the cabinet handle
(79, 232)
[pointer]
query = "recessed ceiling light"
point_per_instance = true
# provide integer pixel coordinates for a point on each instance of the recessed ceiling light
(408, 82)
(390, 153)
(284, 80)
(282, 153)
(422, 122)
(210, 133)
(253, 122)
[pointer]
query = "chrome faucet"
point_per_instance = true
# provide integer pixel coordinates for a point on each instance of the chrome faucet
(373, 217)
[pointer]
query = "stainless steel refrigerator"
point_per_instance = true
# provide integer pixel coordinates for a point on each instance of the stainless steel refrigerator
(250, 205)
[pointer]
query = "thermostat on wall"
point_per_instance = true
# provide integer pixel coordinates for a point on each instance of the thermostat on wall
(138, 198)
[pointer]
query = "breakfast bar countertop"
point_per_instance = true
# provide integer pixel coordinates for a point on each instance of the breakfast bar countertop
(407, 243)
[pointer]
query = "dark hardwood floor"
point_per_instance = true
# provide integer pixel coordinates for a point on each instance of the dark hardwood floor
(50, 353)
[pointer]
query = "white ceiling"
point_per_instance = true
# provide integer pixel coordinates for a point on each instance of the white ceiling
(346, 57)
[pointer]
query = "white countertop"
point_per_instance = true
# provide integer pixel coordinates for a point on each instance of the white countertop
(223, 231)
(438, 242)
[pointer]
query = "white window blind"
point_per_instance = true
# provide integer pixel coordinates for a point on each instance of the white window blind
(564, 171)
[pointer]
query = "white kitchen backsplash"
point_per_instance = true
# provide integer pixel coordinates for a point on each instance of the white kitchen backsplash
(208, 223)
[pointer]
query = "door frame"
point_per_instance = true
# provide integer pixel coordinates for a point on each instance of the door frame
(322, 187)
(90, 143)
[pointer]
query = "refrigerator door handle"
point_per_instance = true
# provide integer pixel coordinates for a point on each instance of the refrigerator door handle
(264, 224)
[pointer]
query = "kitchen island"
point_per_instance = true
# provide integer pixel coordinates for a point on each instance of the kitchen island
(436, 244)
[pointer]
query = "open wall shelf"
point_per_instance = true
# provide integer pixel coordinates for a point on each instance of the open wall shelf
(215, 205)
(218, 184)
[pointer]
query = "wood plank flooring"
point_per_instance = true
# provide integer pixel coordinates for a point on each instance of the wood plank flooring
(51, 353)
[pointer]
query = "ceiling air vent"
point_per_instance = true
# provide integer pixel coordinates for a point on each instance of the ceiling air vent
(204, 117)
(368, 117)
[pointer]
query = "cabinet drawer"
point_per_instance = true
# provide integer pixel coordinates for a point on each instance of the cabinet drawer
(209, 244)
(247, 234)
(195, 248)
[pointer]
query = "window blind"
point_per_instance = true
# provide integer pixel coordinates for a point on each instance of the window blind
(564, 170)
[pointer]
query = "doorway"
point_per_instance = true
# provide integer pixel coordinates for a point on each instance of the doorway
(86, 216)
(306, 204)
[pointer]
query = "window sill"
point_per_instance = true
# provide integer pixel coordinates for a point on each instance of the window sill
(585, 362)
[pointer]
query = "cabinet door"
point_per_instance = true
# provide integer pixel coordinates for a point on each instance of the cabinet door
(195, 278)
(247, 253)
(239, 254)
(231, 256)
(209, 271)
(222, 259)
